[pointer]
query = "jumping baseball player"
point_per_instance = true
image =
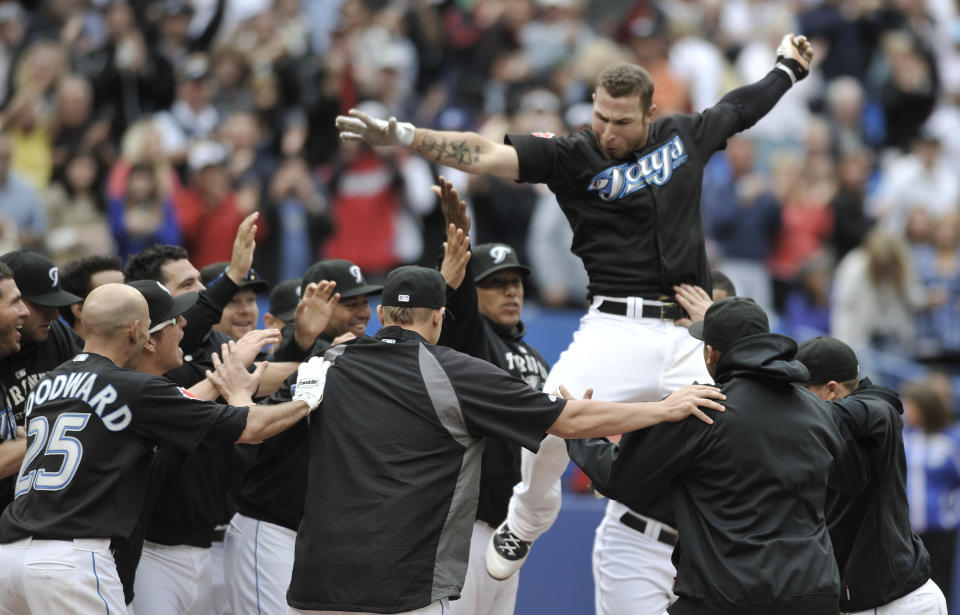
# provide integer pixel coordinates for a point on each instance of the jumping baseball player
(92, 424)
(485, 293)
(630, 188)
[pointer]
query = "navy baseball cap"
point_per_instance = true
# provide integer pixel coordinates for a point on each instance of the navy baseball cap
(252, 280)
(489, 258)
(413, 286)
(827, 358)
(729, 320)
(284, 299)
(38, 279)
(349, 278)
(163, 306)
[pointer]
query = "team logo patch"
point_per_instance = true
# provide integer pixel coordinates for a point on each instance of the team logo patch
(403, 298)
(355, 272)
(187, 393)
(499, 253)
(54, 275)
(543, 135)
(655, 168)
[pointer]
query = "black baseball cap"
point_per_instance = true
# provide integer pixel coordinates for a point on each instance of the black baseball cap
(284, 299)
(413, 286)
(349, 278)
(827, 358)
(489, 258)
(729, 320)
(38, 279)
(163, 306)
(252, 280)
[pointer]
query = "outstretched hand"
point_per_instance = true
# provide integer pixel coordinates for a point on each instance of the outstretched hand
(243, 246)
(249, 346)
(454, 209)
(231, 378)
(689, 400)
(358, 126)
(314, 312)
(456, 255)
(794, 56)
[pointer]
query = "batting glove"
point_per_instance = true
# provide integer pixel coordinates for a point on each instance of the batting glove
(793, 57)
(311, 378)
(358, 126)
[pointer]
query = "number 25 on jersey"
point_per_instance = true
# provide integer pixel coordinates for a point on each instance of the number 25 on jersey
(56, 442)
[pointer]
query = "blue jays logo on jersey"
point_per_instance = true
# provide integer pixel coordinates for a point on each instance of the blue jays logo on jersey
(656, 168)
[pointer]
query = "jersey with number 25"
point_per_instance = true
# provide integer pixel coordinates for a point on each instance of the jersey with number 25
(91, 430)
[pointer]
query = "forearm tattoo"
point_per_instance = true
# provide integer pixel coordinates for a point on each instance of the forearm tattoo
(457, 151)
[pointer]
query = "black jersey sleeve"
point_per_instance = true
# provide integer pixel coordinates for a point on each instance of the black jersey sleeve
(494, 403)
(206, 312)
(464, 332)
(167, 413)
(538, 156)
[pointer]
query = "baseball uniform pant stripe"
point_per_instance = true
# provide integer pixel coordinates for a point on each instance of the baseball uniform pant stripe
(482, 594)
(440, 607)
(652, 358)
(258, 564)
(925, 600)
(42, 577)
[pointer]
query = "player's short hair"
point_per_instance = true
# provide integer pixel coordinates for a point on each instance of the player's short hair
(406, 315)
(147, 264)
(849, 386)
(6, 272)
(722, 282)
(75, 278)
(625, 79)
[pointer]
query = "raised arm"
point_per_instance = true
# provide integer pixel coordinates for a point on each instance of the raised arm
(467, 151)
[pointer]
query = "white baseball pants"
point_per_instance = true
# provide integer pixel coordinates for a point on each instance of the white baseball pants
(925, 600)
(482, 594)
(622, 359)
(257, 566)
(42, 577)
(173, 580)
(441, 607)
(219, 603)
(632, 572)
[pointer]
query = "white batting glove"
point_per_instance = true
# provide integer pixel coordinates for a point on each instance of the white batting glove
(311, 378)
(794, 56)
(358, 126)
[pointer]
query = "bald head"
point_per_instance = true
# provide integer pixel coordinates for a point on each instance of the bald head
(111, 308)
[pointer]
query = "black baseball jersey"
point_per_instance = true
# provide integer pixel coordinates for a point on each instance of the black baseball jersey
(206, 312)
(474, 334)
(20, 372)
(273, 488)
(394, 471)
(636, 221)
(91, 430)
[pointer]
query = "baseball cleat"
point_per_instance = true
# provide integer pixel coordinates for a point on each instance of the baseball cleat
(505, 553)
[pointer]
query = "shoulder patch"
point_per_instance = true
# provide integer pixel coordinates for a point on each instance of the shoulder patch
(187, 393)
(543, 135)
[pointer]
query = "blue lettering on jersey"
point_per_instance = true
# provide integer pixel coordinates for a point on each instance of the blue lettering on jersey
(656, 168)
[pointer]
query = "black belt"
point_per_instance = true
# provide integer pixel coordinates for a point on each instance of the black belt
(631, 520)
(663, 311)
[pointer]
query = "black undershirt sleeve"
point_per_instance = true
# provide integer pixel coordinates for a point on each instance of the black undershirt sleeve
(757, 99)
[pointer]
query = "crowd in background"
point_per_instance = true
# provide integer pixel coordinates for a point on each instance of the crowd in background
(126, 123)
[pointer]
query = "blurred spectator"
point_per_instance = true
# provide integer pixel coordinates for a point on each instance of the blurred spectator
(807, 311)
(845, 113)
(73, 126)
(251, 161)
(876, 294)
(933, 477)
(552, 38)
(924, 178)
(650, 45)
(230, 74)
(208, 209)
(144, 215)
(167, 26)
(23, 220)
(846, 31)
(907, 83)
(698, 61)
(192, 118)
(742, 216)
(298, 217)
(12, 31)
(558, 273)
(76, 214)
(285, 128)
(938, 268)
(850, 220)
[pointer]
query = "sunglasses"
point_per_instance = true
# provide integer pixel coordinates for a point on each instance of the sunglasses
(162, 324)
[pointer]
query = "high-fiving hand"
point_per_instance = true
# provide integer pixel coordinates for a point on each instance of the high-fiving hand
(358, 126)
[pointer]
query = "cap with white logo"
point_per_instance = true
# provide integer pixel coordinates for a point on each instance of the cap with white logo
(38, 279)
(349, 278)
(489, 258)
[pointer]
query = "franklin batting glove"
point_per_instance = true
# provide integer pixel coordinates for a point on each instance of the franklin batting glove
(358, 126)
(793, 57)
(311, 378)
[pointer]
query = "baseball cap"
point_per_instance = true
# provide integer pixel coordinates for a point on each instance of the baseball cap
(349, 278)
(163, 306)
(196, 66)
(413, 286)
(489, 258)
(828, 358)
(206, 154)
(284, 299)
(729, 320)
(252, 280)
(38, 279)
